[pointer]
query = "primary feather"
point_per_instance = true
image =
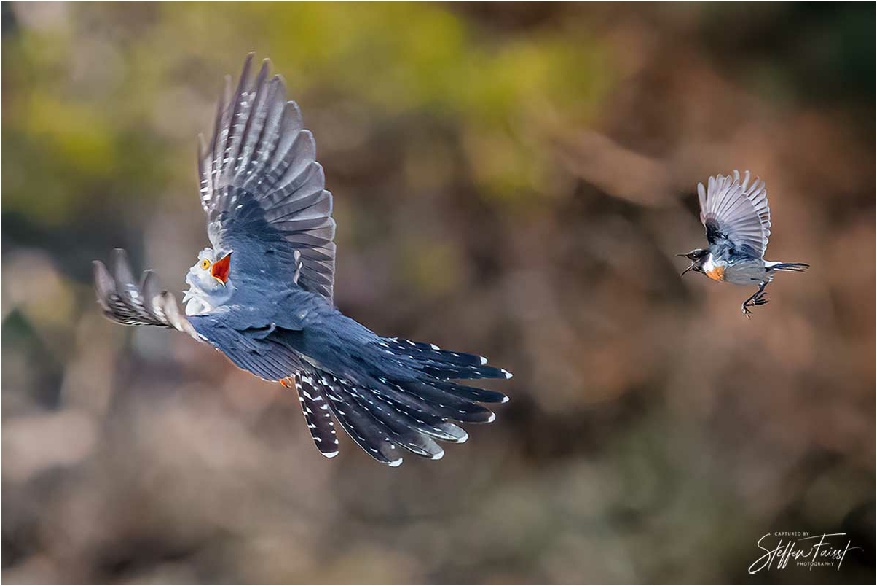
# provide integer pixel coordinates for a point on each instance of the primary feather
(736, 211)
(260, 178)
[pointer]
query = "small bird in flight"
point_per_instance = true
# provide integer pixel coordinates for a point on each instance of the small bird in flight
(262, 293)
(737, 220)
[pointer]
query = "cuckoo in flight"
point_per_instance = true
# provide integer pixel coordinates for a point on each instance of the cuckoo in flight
(262, 293)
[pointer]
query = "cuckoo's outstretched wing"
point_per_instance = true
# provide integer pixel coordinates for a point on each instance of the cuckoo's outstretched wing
(736, 213)
(124, 301)
(261, 186)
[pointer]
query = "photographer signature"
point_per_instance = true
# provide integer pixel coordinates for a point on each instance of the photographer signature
(803, 548)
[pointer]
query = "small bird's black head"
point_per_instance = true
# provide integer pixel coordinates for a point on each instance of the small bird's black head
(697, 257)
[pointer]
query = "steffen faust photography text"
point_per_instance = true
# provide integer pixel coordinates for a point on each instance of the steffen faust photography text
(803, 549)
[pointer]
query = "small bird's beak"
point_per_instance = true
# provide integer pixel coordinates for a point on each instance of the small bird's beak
(686, 255)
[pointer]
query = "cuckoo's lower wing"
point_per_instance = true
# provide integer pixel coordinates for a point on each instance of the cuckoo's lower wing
(124, 301)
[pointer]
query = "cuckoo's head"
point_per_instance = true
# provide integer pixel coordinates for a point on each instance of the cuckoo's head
(209, 282)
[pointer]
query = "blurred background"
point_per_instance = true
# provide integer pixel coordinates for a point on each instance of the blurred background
(510, 179)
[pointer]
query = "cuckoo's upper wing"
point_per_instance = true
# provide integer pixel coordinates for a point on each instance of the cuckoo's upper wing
(124, 301)
(736, 212)
(261, 185)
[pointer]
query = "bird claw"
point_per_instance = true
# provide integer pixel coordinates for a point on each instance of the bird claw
(756, 300)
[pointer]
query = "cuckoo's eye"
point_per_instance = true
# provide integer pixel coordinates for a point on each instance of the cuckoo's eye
(205, 264)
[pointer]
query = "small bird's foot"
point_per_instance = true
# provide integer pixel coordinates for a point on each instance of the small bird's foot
(754, 301)
(759, 299)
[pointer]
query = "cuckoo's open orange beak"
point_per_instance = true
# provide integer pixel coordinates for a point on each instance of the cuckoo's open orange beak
(220, 268)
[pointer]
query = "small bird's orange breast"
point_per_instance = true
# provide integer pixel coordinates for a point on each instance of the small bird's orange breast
(717, 273)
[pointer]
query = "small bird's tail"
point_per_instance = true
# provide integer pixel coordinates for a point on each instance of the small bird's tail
(799, 267)
(408, 401)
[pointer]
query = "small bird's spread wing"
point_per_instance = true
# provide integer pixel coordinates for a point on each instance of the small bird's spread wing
(124, 301)
(736, 212)
(261, 185)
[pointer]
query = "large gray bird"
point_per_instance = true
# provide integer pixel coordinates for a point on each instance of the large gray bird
(737, 221)
(262, 294)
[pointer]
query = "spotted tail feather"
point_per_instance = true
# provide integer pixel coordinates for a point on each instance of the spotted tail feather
(316, 410)
(405, 397)
(384, 415)
(444, 364)
(368, 432)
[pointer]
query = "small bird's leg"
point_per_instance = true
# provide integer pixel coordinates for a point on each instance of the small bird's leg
(756, 298)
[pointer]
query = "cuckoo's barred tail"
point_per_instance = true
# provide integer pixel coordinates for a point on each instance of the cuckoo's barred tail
(443, 364)
(409, 409)
(791, 266)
